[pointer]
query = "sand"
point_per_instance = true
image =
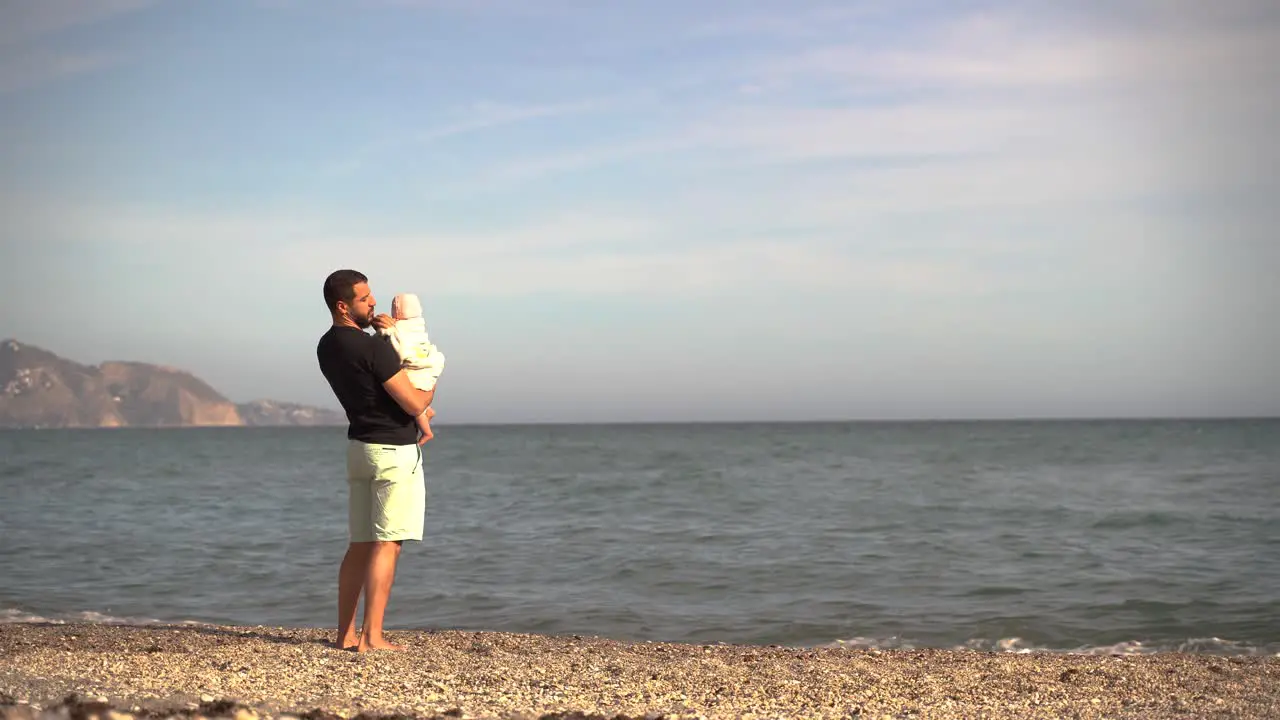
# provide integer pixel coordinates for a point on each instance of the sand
(198, 671)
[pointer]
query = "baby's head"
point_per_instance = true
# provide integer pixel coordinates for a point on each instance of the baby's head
(406, 306)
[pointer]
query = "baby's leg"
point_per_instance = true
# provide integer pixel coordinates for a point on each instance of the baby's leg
(424, 423)
(424, 382)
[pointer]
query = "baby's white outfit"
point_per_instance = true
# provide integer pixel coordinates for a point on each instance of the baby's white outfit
(421, 360)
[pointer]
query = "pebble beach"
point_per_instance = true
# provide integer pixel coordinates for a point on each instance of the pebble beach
(80, 671)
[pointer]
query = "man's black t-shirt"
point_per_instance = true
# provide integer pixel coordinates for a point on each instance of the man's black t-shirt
(356, 364)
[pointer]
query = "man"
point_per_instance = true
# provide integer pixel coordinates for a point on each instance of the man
(387, 488)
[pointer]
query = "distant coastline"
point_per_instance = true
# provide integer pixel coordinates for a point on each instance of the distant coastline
(42, 390)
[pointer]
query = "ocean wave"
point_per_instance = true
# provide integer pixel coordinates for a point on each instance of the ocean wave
(1203, 646)
(10, 616)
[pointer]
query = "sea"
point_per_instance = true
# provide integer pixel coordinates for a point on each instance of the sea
(1110, 537)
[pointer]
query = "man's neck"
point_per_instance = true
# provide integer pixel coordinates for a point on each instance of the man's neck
(345, 322)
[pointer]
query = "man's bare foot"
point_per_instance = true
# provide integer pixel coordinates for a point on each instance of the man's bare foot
(381, 644)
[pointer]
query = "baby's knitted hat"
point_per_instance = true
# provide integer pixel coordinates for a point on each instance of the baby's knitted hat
(405, 306)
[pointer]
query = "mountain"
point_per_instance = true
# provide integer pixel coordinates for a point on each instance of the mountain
(38, 389)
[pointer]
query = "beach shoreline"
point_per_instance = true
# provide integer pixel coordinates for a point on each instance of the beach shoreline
(248, 672)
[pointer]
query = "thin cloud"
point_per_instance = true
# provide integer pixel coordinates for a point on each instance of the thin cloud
(479, 117)
(29, 20)
(580, 254)
(678, 272)
(591, 158)
(796, 23)
(518, 8)
(1076, 115)
(28, 56)
(29, 69)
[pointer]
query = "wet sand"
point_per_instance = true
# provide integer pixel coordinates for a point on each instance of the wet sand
(191, 671)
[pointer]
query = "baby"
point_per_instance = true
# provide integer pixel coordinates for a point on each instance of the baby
(420, 359)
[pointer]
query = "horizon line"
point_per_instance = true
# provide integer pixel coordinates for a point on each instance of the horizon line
(623, 423)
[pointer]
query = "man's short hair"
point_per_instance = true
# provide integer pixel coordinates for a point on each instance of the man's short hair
(341, 285)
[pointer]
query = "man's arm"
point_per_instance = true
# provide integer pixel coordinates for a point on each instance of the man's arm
(411, 399)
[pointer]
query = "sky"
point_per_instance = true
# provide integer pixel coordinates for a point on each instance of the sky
(660, 211)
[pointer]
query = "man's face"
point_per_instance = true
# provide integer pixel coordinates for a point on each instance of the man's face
(360, 309)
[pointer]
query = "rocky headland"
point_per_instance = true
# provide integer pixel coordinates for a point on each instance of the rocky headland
(39, 389)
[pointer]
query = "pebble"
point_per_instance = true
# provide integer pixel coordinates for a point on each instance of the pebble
(267, 673)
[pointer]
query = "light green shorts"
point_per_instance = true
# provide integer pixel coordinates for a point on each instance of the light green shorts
(388, 492)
